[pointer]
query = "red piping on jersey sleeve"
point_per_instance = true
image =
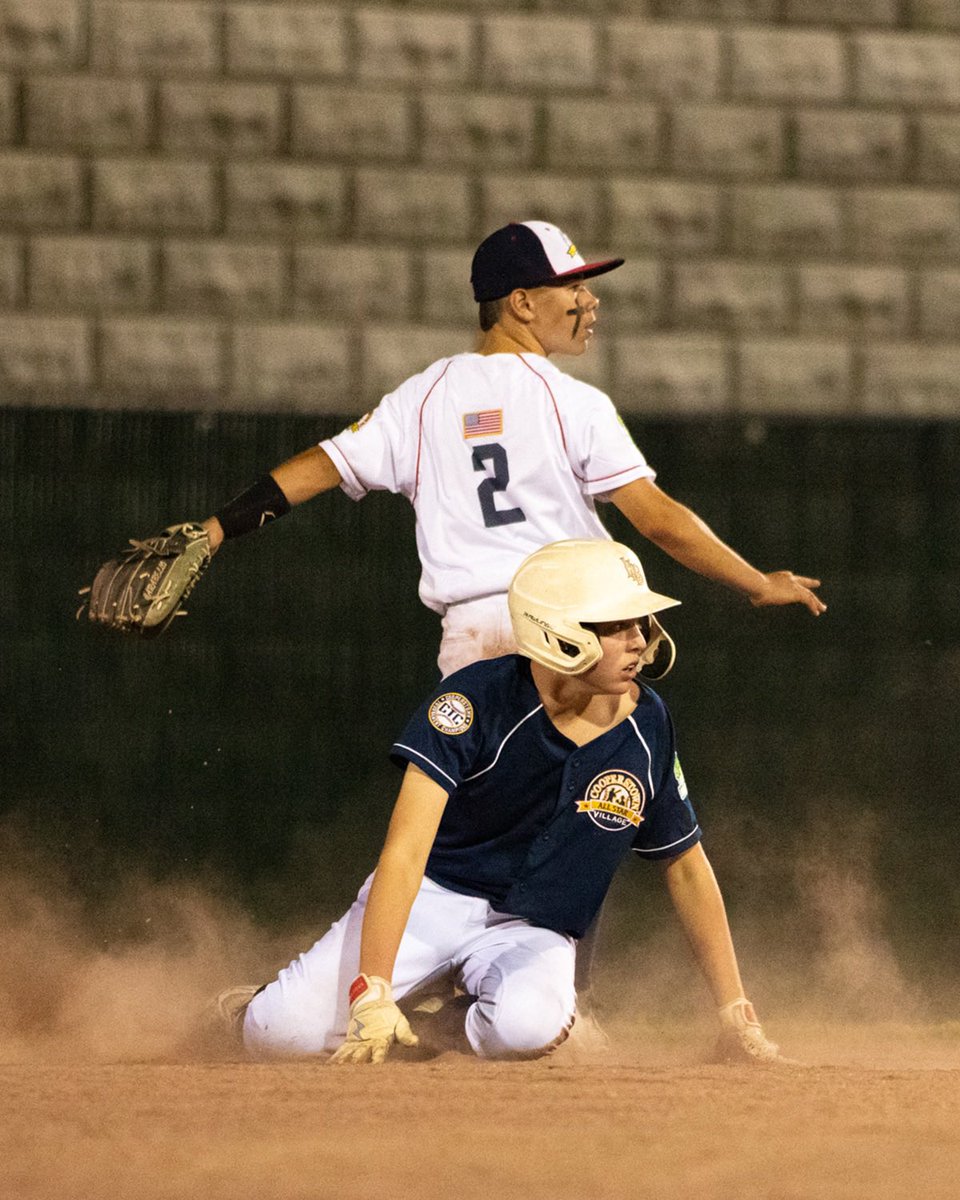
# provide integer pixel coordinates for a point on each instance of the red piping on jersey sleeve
(416, 474)
(563, 437)
(553, 401)
(604, 478)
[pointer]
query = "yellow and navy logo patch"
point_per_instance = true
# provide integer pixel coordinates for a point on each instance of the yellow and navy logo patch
(488, 423)
(678, 776)
(614, 800)
(451, 713)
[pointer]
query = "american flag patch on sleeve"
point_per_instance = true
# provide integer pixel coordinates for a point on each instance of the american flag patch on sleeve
(483, 424)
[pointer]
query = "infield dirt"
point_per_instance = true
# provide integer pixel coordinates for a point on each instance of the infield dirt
(102, 1102)
(880, 1122)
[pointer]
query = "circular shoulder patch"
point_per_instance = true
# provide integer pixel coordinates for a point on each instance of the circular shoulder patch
(451, 713)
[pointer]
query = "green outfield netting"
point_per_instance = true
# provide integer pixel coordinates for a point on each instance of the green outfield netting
(248, 745)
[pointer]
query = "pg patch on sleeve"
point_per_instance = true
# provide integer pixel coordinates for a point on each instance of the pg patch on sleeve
(678, 775)
(451, 713)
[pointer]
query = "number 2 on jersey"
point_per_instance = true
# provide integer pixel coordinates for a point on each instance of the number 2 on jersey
(494, 454)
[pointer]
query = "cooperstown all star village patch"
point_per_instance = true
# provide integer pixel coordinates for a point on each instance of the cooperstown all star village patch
(614, 799)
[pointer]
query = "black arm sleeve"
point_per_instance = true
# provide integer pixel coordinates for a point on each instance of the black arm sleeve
(263, 501)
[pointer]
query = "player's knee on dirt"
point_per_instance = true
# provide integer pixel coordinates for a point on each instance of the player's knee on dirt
(518, 1017)
(275, 1028)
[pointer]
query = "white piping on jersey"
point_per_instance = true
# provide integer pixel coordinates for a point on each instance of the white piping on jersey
(649, 755)
(531, 713)
(669, 846)
(410, 750)
(686, 836)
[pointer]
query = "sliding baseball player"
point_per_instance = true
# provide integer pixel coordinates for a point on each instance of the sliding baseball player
(527, 780)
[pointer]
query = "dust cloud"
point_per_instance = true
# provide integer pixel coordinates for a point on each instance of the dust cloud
(123, 979)
(813, 917)
(831, 972)
(126, 978)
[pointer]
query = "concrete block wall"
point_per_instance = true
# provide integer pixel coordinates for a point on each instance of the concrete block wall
(271, 204)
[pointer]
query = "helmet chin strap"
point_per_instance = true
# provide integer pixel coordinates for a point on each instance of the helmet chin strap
(661, 653)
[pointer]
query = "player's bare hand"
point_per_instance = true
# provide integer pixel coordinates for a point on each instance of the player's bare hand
(783, 587)
(375, 1023)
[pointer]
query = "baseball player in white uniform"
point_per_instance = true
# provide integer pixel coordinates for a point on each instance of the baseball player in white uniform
(500, 452)
(527, 780)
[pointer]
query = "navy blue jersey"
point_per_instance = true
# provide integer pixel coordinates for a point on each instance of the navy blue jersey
(536, 824)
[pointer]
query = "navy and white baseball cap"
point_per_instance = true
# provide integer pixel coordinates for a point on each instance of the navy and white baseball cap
(528, 254)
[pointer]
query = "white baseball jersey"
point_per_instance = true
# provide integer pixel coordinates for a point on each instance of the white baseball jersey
(499, 455)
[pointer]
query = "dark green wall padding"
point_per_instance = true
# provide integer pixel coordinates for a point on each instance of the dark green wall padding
(247, 747)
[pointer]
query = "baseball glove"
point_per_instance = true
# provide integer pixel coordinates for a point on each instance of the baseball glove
(141, 590)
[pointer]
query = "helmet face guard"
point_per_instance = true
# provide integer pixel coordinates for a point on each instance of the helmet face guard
(561, 588)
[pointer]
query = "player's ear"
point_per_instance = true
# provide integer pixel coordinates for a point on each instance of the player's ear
(520, 304)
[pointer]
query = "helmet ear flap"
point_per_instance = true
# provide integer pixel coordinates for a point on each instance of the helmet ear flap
(555, 648)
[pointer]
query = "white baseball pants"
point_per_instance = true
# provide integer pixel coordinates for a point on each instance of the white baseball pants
(520, 974)
(475, 630)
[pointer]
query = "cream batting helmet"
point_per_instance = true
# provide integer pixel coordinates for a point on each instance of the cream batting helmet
(564, 586)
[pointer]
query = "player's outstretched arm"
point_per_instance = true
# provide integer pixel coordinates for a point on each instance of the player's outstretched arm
(699, 905)
(143, 588)
(376, 1022)
(271, 496)
(679, 532)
